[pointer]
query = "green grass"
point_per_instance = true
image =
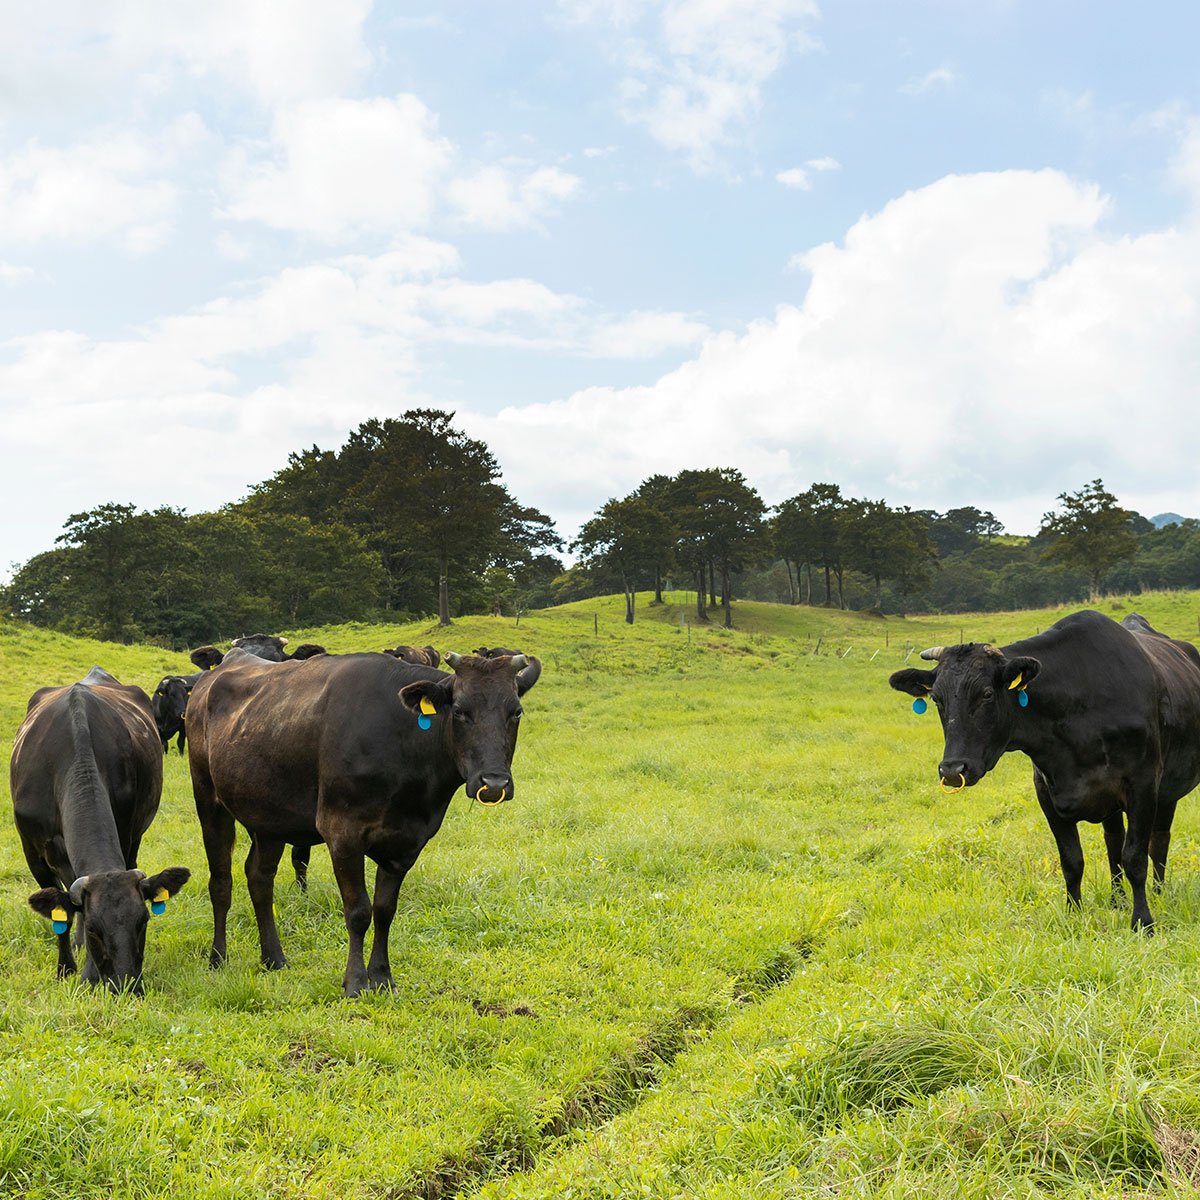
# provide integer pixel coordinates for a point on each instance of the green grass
(729, 939)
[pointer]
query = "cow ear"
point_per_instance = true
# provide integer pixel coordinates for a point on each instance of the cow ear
(439, 694)
(47, 900)
(169, 881)
(1019, 671)
(913, 681)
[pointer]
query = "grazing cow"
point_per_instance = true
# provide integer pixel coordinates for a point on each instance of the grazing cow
(1110, 716)
(418, 656)
(86, 779)
(360, 751)
(261, 645)
(169, 704)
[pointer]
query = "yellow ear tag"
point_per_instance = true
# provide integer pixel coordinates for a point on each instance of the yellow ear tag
(1016, 683)
(158, 905)
(58, 919)
(427, 706)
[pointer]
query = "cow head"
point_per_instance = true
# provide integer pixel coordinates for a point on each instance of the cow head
(425, 656)
(207, 657)
(977, 691)
(263, 645)
(169, 703)
(112, 907)
(479, 707)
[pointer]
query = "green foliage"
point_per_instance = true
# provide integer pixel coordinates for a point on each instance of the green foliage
(1092, 534)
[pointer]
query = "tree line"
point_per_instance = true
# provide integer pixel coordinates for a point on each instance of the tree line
(410, 518)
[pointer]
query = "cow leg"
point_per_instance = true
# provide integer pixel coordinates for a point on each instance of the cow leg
(1066, 836)
(1160, 841)
(348, 869)
(261, 865)
(300, 857)
(219, 832)
(389, 875)
(1133, 859)
(1114, 843)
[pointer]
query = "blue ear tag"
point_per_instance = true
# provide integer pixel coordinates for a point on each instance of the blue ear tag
(158, 905)
(1022, 698)
(425, 720)
(919, 706)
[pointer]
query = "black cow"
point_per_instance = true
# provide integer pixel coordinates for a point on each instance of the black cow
(86, 780)
(418, 656)
(360, 751)
(1110, 716)
(169, 705)
(261, 645)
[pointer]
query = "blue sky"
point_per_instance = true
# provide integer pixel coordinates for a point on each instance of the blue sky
(940, 253)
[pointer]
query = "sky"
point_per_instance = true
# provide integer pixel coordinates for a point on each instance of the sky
(938, 252)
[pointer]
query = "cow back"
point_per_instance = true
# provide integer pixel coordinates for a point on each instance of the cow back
(87, 766)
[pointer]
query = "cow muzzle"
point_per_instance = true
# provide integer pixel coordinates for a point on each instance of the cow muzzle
(493, 790)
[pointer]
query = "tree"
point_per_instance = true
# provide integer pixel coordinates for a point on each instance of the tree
(886, 543)
(436, 492)
(626, 535)
(1092, 533)
(720, 519)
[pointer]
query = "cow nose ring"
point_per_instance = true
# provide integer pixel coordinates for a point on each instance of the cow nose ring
(951, 791)
(490, 803)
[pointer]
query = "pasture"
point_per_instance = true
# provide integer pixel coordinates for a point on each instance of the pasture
(728, 940)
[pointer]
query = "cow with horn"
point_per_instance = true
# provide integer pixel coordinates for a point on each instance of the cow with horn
(360, 751)
(1108, 713)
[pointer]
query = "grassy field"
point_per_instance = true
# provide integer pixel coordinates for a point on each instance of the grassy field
(729, 940)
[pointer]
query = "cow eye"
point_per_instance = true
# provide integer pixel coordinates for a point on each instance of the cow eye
(988, 693)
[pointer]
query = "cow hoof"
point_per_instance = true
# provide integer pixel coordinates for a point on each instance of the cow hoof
(273, 964)
(216, 960)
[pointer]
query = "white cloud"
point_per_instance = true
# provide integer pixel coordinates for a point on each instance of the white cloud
(338, 168)
(502, 198)
(940, 77)
(110, 186)
(982, 337)
(695, 69)
(11, 274)
(643, 335)
(276, 51)
(800, 178)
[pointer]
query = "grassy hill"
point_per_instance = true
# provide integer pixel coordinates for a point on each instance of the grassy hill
(728, 940)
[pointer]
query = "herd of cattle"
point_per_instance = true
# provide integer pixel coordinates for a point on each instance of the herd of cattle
(360, 751)
(364, 751)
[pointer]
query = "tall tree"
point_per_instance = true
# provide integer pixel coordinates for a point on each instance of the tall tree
(437, 491)
(1092, 533)
(626, 535)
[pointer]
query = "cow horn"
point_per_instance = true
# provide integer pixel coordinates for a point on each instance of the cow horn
(283, 641)
(138, 872)
(933, 652)
(453, 659)
(518, 661)
(76, 890)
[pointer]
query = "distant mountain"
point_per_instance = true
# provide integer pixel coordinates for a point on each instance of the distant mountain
(1166, 519)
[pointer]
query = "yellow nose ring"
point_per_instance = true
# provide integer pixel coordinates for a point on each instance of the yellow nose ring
(951, 791)
(490, 803)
